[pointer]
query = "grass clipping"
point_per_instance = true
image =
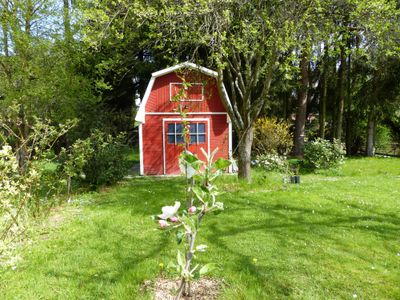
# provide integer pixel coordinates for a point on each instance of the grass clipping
(165, 289)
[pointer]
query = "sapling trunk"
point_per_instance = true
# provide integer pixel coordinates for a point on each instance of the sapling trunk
(185, 288)
(69, 187)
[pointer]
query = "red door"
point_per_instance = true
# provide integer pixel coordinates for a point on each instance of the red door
(174, 142)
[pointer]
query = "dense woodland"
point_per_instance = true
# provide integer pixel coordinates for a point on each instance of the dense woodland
(330, 68)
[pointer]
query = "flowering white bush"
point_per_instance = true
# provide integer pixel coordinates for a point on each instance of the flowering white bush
(323, 154)
(14, 194)
(25, 187)
(272, 162)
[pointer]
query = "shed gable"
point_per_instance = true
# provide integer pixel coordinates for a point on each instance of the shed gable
(163, 98)
(157, 99)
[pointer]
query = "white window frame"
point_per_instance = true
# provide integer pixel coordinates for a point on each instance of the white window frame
(171, 84)
(164, 120)
(197, 133)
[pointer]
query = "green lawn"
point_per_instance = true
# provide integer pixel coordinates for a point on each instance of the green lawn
(335, 236)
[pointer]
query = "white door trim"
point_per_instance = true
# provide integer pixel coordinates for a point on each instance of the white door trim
(230, 154)
(180, 120)
(141, 169)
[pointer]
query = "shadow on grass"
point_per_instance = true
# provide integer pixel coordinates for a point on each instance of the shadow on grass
(390, 222)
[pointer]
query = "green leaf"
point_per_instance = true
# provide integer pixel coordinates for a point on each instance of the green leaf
(189, 223)
(188, 157)
(221, 164)
(180, 259)
(179, 236)
(207, 268)
(171, 265)
(199, 193)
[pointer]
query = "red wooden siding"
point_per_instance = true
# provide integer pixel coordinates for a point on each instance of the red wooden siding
(159, 99)
(153, 140)
(152, 146)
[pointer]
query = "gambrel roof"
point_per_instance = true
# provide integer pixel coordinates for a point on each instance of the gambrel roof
(140, 116)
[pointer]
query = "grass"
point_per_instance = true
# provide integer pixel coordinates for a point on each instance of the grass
(335, 236)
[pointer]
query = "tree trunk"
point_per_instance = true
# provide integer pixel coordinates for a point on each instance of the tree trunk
(349, 120)
(244, 151)
(322, 105)
(22, 152)
(4, 27)
(28, 17)
(340, 99)
(301, 109)
(324, 93)
(67, 21)
(371, 135)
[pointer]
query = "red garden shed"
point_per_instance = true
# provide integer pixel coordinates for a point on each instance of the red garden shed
(160, 125)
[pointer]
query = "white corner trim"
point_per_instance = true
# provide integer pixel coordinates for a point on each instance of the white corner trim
(141, 170)
(140, 116)
(163, 147)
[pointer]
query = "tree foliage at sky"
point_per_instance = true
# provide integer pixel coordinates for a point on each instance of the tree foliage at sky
(338, 59)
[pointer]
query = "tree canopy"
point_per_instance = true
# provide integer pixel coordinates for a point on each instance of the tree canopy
(337, 59)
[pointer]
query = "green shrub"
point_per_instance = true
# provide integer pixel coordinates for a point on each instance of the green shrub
(272, 162)
(323, 154)
(383, 138)
(108, 164)
(271, 136)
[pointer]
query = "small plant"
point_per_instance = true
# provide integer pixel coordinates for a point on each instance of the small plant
(294, 166)
(200, 201)
(323, 154)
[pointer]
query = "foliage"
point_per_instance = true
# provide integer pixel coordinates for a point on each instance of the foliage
(272, 162)
(323, 154)
(106, 163)
(27, 186)
(383, 138)
(33, 175)
(201, 176)
(272, 136)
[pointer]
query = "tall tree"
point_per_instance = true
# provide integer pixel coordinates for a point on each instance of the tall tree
(244, 50)
(301, 109)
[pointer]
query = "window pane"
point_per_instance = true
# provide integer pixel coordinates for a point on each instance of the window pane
(193, 139)
(202, 138)
(193, 128)
(179, 139)
(171, 139)
(201, 127)
(171, 128)
(179, 128)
